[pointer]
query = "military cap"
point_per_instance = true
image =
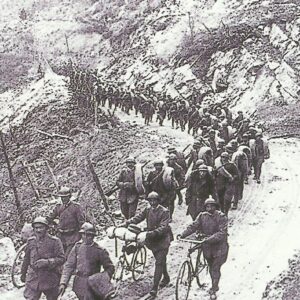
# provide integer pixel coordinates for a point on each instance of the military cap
(40, 220)
(88, 228)
(210, 200)
(64, 191)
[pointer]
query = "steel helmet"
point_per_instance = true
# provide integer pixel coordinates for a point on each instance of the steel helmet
(130, 160)
(88, 228)
(153, 195)
(40, 220)
(210, 200)
(64, 191)
(203, 168)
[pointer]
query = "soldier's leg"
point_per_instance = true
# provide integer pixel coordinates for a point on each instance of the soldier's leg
(52, 294)
(221, 193)
(124, 209)
(160, 266)
(216, 270)
(255, 167)
(229, 192)
(258, 168)
(31, 294)
(132, 209)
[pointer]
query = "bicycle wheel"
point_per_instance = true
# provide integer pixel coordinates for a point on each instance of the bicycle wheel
(118, 276)
(139, 263)
(16, 268)
(201, 266)
(183, 281)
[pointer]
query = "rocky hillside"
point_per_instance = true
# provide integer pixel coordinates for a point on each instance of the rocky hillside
(250, 47)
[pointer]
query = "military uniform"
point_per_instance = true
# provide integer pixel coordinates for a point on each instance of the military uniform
(215, 249)
(128, 195)
(71, 218)
(159, 238)
(197, 191)
(45, 279)
(225, 186)
(86, 260)
(156, 184)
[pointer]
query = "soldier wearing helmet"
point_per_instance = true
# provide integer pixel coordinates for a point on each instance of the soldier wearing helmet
(128, 195)
(213, 225)
(86, 260)
(158, 239)
(199, 185)
(44, 255)
(70, 216)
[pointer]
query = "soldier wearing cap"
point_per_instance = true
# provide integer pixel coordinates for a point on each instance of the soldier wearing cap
(158, 239)
(128, 195)
(226, 178)
(260, 152)
(193, 119)
(86, 261)
(179, 156)
(238, 119)
(212, 142)
(220, 147)
(193, 156)
(213, 225)
(200, 185)
(71, 217)
(44, 255)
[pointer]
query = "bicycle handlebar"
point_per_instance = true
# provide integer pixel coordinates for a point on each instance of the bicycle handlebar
(192, 241)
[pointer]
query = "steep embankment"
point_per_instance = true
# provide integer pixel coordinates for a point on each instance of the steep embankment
(251, 47)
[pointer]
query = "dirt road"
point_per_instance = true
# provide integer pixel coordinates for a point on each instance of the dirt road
(263, 231)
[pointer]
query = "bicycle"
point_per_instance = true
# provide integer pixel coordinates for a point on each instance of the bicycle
(125, 265)
(16, 267)
(188, 271)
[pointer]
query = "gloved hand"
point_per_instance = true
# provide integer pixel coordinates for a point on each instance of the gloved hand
(62, 289)
(23, 277)
(41, 263)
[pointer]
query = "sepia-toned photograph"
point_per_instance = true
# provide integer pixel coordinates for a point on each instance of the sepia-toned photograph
(149, 149)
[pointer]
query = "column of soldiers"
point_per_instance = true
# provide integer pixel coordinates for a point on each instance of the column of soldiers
(214, 172)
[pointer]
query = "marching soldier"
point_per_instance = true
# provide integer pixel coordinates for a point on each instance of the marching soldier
(44, 255)
(158, 238)
(86, 260)
(71, 217)
(128, 195)
(213, 225)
